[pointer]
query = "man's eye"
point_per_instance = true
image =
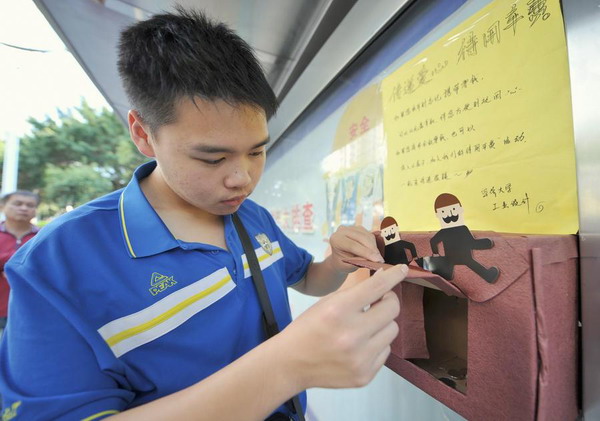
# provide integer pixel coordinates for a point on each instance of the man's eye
(213, 162)
(259, 153)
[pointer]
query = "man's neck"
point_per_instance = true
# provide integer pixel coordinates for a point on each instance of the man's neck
(183, 220)
(17, 228)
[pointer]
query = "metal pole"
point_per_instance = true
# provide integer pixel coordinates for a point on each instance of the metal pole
(10, 168)
(583, 33)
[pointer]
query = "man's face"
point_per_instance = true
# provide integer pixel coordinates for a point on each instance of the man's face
(20, 208)
(390, 234)
(213, 156)
(450, 216)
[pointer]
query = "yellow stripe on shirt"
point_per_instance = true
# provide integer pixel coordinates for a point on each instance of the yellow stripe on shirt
(133, 330)
(166, 315)
(122, 209)
(263, 257)
(101, 414)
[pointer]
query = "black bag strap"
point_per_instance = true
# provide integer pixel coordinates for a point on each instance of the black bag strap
(270, 324)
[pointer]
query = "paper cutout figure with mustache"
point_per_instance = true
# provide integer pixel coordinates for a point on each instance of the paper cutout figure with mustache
(394, 252)
(458, 243)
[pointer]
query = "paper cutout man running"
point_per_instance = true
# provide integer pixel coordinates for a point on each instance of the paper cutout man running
(395, 247)
(458, 243)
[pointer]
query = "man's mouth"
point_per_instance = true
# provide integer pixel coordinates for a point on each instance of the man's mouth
(234, 201)
(451, 218)
(391, 236)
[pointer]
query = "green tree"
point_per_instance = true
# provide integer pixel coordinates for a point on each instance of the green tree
(83, 154)
(74, 184)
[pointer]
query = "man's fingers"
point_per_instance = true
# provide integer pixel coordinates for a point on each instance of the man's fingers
(354, 279)
(375, 287)
(381, 314)
(381, 358)
(381, 344)
(362, 244)
(384, 337)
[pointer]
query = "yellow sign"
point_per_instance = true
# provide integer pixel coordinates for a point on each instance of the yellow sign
(485, 114)
(353, 171)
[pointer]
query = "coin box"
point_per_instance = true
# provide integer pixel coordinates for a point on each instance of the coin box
(506, 350)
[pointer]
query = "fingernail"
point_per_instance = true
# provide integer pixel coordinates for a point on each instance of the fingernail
(377, 258)
(404, 269)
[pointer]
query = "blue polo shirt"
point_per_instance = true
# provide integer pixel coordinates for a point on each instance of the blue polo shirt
(109, 311)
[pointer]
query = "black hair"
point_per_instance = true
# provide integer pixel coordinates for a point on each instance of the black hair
(26, 193)
(172, 56)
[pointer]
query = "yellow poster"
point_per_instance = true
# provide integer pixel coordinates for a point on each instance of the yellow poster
(353, 171)
(485, 114)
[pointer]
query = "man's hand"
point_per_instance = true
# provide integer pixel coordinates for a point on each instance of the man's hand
(349, 242)
(336, 343)
(327, 276)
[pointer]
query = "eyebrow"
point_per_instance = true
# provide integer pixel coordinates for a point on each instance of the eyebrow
(220, 149)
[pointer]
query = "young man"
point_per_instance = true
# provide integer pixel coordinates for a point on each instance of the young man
(139, 305)
(19, 209)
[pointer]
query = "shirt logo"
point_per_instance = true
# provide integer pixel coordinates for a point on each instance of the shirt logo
(265, 243)
(160, 283)
(11, 412)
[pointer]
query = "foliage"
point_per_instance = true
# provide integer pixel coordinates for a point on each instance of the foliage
(83, 154)
(76, 184)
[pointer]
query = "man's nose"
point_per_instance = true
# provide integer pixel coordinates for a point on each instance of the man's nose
(239, 177)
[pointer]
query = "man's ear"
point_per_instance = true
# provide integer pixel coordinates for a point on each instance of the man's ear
(140, 134)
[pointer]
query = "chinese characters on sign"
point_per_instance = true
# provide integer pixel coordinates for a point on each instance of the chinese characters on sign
(491, 36)
(297, 218)
(479, 114)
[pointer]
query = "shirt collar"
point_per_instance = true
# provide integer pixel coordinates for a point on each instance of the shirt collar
(34, 228)
(144, 233)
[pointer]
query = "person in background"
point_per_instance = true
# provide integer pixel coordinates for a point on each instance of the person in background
(19, 209)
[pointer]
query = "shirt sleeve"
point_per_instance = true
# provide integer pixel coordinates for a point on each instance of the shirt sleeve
(48, 370)
(297, 259)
